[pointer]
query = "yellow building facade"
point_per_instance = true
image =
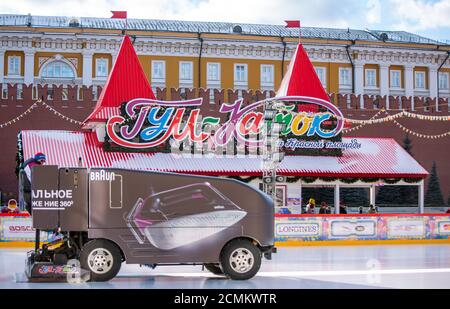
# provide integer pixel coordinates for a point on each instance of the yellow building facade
(47, 50)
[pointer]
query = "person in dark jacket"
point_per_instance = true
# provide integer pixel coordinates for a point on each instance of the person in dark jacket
(324, 208)
(25, 180)
(38, 159)
(342, 208)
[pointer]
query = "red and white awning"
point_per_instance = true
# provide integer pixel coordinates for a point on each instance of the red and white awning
(377, 157)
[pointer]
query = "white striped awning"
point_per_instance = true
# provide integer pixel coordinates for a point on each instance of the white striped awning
(377, 157)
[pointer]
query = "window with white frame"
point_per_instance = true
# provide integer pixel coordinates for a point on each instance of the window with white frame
(19, 91)
(13, 65)
(101, 67)
(213, 72)
(396, 79)
(186, 73)
(267, 76)
(34, 94)
(322, 74)
(443, 80)
(345, 77)
(50, 92)
(58, 69)
(240, 75)
(65, 92)
(371, 77)
(4, 91)
(419, 80)
(158, 73)
(213, 79)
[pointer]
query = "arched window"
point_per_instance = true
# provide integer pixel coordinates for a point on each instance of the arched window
(58, 69)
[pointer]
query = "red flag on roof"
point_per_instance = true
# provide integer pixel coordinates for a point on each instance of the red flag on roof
(292, 24)
(301, 78)
(119, 14)
(126, 81)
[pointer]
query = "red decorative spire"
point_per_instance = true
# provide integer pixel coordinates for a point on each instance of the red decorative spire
(301, 78)
(126, 81)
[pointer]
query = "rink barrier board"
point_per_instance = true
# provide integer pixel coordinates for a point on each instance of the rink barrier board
(361, 227)
(295, 230)
(293, 243)
(18, 228)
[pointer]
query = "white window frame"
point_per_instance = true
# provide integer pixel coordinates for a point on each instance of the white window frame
(186, 82)
(54, 63)
(159, 81)
(323, 80)
(446, 85)
(366, 78)
(19, 91)
(239, 84)
(341, 82)
(213, 81)
(416, 86)
(267, 84)
(65, 92)
(391, 79)
(97, 65)
(12, 72)
(4, 91)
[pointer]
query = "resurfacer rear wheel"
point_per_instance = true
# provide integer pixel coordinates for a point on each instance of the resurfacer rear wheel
(102, 258)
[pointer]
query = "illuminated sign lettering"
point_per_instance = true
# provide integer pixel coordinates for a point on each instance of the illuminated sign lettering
(155, 122)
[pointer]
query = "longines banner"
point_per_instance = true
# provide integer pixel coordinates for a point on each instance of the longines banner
(302, 228)
(154, 122)
(379, 227)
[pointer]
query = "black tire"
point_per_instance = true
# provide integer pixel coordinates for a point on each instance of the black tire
(214, 268)
(107, 256)
(240, 251)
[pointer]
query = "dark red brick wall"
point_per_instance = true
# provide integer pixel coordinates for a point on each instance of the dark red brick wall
(424, 150)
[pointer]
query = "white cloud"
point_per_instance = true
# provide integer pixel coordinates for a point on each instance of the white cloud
(321, 13)
(373, 14)
(409, 15)
(415, 15)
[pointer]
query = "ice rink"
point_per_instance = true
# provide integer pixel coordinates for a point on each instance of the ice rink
(388, 266)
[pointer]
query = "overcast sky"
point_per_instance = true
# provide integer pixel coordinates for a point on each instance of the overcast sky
(430, 18)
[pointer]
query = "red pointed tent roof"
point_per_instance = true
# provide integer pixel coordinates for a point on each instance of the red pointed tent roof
(126, 81)
(301, 78)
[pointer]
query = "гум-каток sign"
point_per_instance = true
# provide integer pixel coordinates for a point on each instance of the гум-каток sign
(165, 121)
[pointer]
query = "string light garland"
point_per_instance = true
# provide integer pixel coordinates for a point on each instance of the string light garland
(32, 107)
(420, 135)
(361, 125)
(71, 120)
(395, 116)
(388, 118)
(14, 120)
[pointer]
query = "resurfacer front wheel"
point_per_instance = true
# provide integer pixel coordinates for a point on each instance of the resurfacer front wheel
(102, 258)
(240, 259)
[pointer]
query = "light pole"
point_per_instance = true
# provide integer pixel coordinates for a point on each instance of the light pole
(272, 156)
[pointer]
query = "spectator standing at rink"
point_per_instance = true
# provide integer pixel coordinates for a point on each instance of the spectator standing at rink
(38, 159)
(324, 208)
(310, 206)
(342, 208)
(372, 209)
